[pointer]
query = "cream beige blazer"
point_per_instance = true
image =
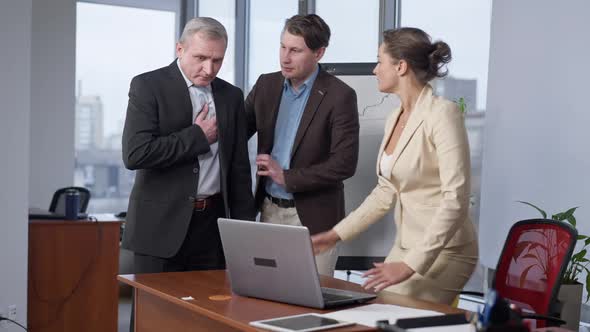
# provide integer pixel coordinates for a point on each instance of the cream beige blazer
(429, 184)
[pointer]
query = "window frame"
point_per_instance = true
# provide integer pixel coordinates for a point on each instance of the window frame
(349, 68)
(177, 6)
(184, 10)
(389, 18)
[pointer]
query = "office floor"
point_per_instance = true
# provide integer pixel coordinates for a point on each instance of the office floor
(124, 311)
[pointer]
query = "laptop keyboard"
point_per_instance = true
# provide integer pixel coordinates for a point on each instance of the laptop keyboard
(332, 295)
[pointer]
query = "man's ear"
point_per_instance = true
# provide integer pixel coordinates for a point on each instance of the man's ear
(319, 53)
(179, 49)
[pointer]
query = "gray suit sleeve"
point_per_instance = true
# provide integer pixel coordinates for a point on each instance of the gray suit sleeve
(144, 147)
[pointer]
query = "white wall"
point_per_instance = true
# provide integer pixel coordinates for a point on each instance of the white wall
(53, 64)
(15, 89)
(538, 117)
(37, 63)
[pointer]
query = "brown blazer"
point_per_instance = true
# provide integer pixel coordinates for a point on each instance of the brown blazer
(325, 151)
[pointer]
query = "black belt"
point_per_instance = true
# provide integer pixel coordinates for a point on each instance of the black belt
(281, 202)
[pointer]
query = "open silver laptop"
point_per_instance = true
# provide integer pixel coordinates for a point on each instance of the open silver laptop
(276, 262)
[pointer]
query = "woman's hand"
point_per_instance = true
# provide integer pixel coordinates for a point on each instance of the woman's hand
(324, 241)
(386, 274)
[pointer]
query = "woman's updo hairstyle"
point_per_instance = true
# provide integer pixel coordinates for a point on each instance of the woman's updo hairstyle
(413, 45)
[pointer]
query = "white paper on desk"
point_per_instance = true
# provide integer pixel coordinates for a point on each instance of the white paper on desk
(369, 314)
(448, 328)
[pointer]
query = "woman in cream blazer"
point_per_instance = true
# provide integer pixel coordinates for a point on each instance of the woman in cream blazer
(423, 171)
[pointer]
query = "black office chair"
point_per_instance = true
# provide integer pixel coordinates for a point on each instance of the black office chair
(356, 263)
(58, 202)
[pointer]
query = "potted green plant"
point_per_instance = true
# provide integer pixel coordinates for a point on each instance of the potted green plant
(570, 291)
(462, 105)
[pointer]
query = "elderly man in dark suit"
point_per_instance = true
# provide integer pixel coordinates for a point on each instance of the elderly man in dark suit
(185, 134)
(308, 135)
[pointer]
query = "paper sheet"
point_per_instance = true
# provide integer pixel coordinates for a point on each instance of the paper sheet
(448, 328)
(369, 314)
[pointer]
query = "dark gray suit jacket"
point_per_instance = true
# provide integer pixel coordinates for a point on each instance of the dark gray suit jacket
(161, 142)
(325, 151)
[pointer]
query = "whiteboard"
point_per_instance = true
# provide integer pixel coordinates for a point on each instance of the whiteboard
(374, 108)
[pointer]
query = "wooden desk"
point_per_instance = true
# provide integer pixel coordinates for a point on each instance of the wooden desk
(72, 282)
(159, 307)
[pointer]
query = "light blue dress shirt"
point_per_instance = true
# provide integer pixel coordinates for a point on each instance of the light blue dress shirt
(290, 112)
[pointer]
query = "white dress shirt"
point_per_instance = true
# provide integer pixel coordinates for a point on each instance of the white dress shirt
(209, 172)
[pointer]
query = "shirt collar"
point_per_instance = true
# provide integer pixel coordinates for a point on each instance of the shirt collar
(188, 82)
(308, 82)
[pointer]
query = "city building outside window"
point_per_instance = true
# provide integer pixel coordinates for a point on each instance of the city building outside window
(465, 26)
(113, 44)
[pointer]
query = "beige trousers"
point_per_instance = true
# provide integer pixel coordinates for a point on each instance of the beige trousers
(272, 213)
(446, 277)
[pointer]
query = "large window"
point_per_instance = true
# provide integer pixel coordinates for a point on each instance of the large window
(354, 27)
(465, 26)
(136, 40)
(113, 44)
(225, 12)
(267, 18)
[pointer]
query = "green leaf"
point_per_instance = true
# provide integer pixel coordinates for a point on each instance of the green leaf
(576, 257)
(461, 103)
(570, 212)
(543, 213)
(578, 268)
(587, 285)
(582, 237)
(587, 242)
(572, 220)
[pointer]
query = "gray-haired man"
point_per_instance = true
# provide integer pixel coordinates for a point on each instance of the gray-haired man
(185, 134)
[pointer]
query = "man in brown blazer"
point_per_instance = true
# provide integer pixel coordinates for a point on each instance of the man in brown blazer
(308, 135)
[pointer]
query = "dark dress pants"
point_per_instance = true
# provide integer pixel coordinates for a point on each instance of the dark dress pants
(200, 250)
